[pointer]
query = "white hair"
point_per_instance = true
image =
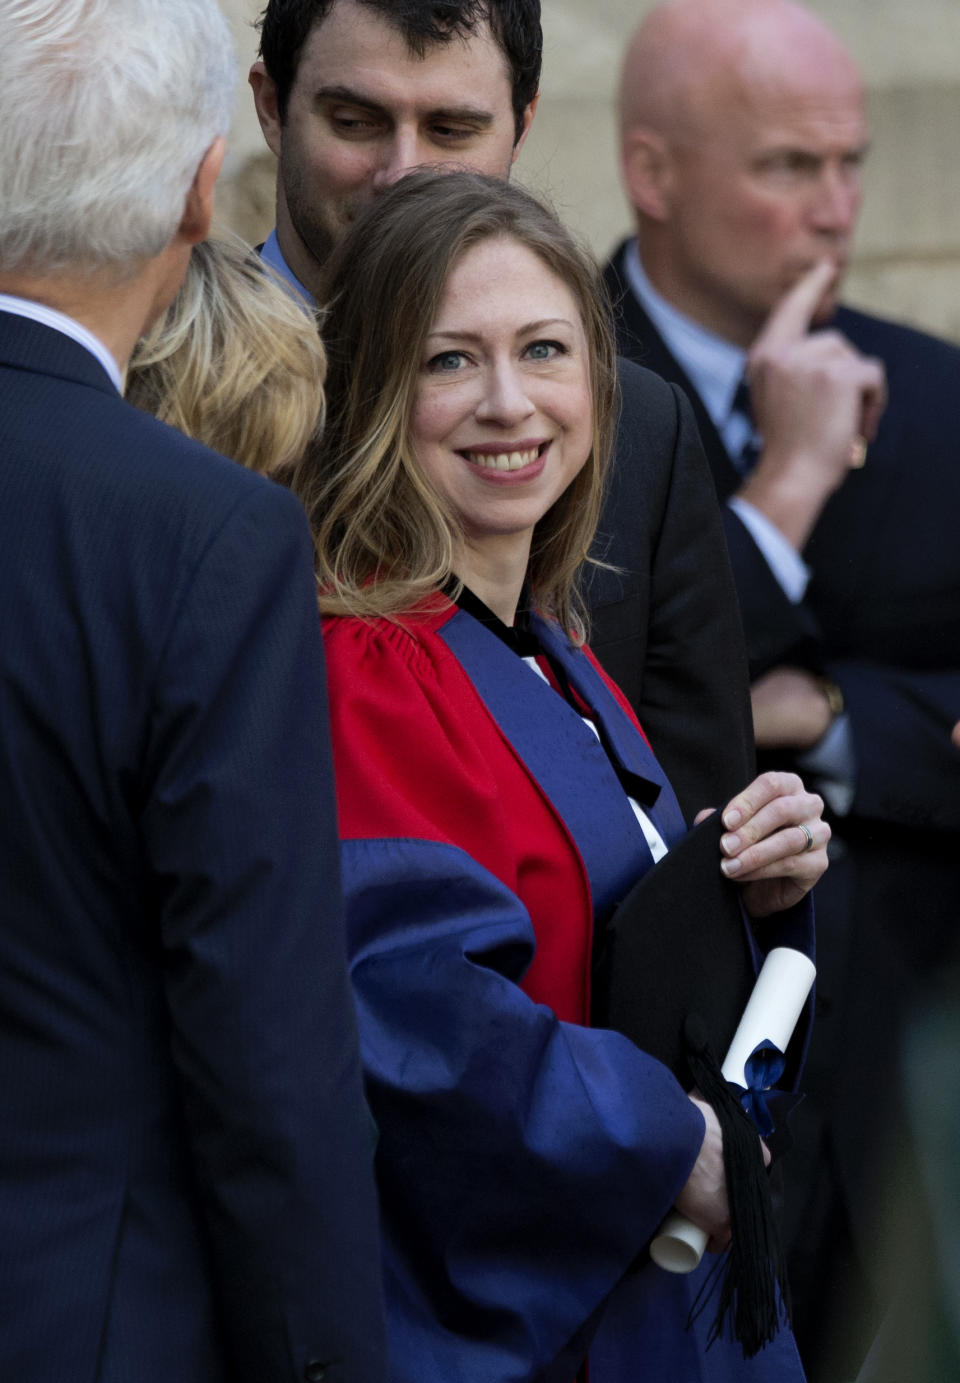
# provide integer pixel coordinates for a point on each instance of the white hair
(107, 108)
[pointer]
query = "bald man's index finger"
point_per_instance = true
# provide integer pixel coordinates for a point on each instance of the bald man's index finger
(790, 319)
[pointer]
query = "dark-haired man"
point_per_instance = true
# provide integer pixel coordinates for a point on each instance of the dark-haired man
(351, 95)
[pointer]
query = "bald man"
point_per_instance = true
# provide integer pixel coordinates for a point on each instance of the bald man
(833, 439)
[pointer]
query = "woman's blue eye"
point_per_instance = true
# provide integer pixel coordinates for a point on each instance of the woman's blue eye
(446, 362)
(544, 350)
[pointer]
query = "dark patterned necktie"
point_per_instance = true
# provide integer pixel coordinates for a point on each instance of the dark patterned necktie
(750, 451)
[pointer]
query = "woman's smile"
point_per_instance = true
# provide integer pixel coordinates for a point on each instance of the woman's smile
(501, 461)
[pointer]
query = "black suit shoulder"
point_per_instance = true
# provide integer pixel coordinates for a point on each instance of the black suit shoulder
(191, 490)
(649, 408)
(60, 405)
(192, 481)
(920, 429)
(115, 482)
(642, 388)
(882, 337)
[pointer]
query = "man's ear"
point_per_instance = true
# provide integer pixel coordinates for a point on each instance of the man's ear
(647, 172)
(198, 209)
(528, 115)
(265, 99)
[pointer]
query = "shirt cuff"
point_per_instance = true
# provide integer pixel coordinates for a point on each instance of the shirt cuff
(833, 766)
(788, 567)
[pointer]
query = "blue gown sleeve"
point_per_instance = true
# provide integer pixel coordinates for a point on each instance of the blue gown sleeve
(523, 1162)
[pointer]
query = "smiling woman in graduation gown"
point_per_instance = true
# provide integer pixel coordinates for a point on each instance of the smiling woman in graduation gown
(497, 799)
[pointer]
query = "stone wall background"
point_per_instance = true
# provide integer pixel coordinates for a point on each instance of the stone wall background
(907, 261)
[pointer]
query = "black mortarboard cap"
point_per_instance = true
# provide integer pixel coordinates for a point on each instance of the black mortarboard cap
(673, 971)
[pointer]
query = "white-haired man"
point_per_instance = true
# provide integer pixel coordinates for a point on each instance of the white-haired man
(185, 1180)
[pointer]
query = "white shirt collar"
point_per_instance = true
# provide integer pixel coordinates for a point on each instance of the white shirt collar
(273, 255)
(715, 367)
(59, 321)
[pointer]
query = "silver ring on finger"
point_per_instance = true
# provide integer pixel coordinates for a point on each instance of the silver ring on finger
(808, 844)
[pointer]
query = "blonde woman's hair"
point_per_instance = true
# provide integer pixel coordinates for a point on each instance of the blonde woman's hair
(236, 362)
(384, 537)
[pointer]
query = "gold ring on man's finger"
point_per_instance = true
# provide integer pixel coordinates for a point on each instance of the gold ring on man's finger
(857, 454)
(809, 841)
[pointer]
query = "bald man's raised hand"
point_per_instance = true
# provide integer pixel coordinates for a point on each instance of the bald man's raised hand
(816, 401)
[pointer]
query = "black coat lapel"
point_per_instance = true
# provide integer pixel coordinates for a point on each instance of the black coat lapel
(639, 340)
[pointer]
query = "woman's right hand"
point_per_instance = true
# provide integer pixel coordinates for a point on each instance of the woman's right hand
(704, 1197)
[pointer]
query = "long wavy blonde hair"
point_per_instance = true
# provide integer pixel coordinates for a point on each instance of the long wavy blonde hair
(384, 537)
(236, 362)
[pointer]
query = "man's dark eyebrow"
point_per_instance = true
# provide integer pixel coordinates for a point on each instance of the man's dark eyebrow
(858, 151)
(475, 115)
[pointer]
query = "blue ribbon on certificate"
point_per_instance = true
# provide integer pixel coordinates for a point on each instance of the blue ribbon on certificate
(763, 1068)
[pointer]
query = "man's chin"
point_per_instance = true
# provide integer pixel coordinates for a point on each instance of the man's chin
(324, 238)
(321, 241)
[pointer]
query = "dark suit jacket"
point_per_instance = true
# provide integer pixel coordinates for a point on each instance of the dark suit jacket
(185, 1160)
(664, 623)
(882, 618)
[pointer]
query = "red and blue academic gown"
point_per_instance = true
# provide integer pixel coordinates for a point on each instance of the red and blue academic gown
(524, 1159)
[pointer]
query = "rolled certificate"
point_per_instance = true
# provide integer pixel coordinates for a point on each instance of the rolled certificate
(771, 1015)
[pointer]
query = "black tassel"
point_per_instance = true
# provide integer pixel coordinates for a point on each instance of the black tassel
(754, 1297)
